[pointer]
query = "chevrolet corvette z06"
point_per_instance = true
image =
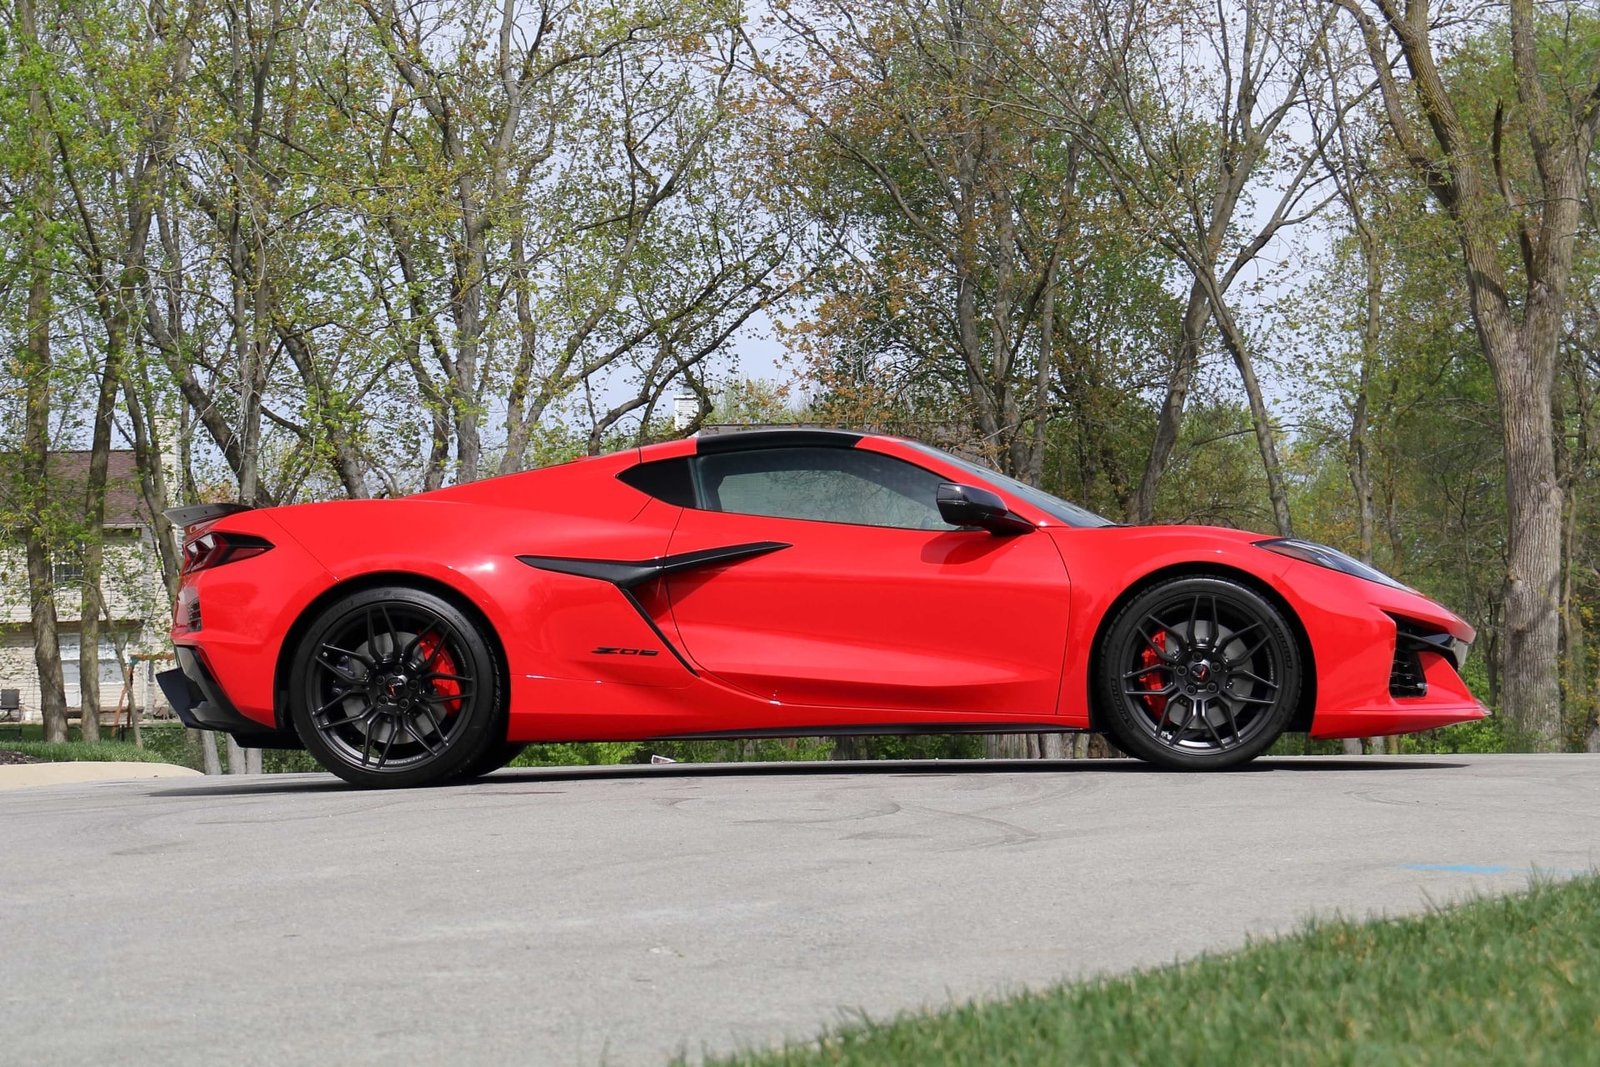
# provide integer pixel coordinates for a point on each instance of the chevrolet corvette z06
(779, 582)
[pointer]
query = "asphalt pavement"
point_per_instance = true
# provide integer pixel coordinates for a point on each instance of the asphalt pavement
(620, 915)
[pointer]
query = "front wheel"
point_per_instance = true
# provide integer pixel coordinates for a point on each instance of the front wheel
(1198, 673)
(395, 687)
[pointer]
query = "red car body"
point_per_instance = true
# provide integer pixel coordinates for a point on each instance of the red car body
(808, 627)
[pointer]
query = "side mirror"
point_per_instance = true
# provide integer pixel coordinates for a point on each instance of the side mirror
(968, 505)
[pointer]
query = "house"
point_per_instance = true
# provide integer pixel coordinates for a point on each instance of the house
(137, 611)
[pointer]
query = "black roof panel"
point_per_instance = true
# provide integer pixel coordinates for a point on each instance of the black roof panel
(776, 437)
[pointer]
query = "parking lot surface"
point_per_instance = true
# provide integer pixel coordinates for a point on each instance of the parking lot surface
(620, 915)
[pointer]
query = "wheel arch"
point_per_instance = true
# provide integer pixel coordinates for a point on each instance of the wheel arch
(1301, 721)
(376, 580)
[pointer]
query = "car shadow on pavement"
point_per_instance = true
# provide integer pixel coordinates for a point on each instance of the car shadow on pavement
(316, 783)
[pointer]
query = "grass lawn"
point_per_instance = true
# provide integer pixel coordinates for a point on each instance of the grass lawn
(164, 742)
(74, 751)
(31, 742)
(1496, 981)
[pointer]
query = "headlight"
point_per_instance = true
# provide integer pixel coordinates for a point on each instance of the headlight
(1332, 558)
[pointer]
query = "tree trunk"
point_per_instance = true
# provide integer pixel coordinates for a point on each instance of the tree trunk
(1010, 746)
(46, 639)
(36, 418)
(1266, 438)
(251, 380)
(337, 427)
(1360, 455)
(236, 759)
(1574, 639)
(246, 267)
(1168, 424)
(94, 511)
(1520, 348)
(208, 751)
(1591, 736)
(1040, 413)
(89, 696)
(849, 747)
(147, 450)
(1530, 684)
(467, 309)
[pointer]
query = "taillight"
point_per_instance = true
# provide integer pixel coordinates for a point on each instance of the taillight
(214, 549)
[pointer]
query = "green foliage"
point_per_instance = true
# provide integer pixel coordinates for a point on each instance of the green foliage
(1496, 980)
(986, 276)
(746, 750)
(1216, 477)
(173, 744)
(1484, 735)
(577, 754)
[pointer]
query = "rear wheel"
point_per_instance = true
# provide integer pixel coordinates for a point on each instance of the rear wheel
(1198, 673)
(396, 687)
(494, 757)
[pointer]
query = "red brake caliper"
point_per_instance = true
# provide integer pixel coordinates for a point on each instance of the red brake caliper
(440, 662)
(1154, 679)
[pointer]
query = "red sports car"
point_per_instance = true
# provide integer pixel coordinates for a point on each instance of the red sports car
(779, 582)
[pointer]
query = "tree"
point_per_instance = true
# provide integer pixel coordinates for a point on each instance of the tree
(1578, 466)
(601, 240)
(1201, 95)
(34, 213)
(112, 126)
(1513, 183)
(960, 216)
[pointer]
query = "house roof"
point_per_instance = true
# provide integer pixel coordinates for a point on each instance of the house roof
(67, 475)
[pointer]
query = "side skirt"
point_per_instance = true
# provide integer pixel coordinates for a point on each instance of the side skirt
(902, 729)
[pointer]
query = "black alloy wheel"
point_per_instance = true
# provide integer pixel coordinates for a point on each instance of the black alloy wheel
(1198, 673)
(494, 757)
(396, 687)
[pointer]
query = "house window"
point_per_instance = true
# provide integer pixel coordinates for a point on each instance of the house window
(67, 572)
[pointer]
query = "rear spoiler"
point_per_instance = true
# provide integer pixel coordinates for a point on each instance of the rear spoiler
(195, 514)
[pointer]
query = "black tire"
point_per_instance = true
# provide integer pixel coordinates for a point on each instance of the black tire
(396, 687)
(494, 757)
(1198, 673)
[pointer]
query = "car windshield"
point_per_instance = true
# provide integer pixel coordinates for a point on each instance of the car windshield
(1069, 513)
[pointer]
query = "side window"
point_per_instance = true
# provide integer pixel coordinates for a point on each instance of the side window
(668, 480)
(824, 484)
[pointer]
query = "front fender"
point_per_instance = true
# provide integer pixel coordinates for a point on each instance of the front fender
(1348, 622)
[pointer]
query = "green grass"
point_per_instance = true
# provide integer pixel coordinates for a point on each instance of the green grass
(1496, 981)
(80, 751)
(164, 742)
